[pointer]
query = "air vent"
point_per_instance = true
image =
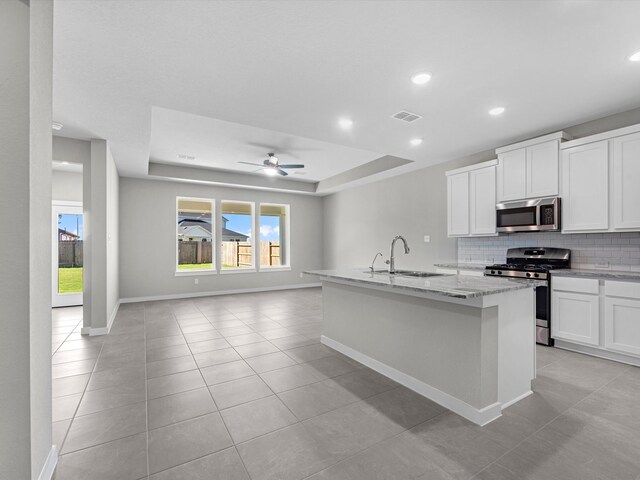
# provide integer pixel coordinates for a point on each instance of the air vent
(186, 158)
(406, 116)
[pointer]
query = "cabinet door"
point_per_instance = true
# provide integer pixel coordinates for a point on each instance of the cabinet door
(626, 182)
(542, 170)
(575, 317)
(512, 173)
(483, 201)
(622, 325)
(458, 204)
(585, 187)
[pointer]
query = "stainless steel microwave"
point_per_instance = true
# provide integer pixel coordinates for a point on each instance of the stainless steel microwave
(540, 214)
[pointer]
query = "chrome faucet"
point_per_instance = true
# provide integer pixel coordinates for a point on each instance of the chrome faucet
(392, 261)
(374, 261)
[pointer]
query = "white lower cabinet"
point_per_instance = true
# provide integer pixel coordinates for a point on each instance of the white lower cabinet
(603, 316)
(622, 325)
(575, 317)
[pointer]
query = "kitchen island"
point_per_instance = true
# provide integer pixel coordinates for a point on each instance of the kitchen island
(467, 343)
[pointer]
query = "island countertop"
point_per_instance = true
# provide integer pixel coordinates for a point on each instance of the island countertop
(455, 286)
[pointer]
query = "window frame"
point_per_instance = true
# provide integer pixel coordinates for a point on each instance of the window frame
(254, 262)
(214, 231)
(286, 238)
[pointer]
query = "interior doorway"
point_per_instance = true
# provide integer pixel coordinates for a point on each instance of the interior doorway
(67, 255)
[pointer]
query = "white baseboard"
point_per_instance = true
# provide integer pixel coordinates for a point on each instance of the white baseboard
(218, 292)
(597, 352)
(93, 332)
(49, 465)
(113, 316)
(478, 416)
(516, 400)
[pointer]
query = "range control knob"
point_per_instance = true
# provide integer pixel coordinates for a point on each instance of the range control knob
(493, 272)
(499, 272)
(536, 275)
(528, 274)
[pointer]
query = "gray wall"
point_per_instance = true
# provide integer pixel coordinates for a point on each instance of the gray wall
(148, 236)
(361, 221)
(25, 277)
(66, 186)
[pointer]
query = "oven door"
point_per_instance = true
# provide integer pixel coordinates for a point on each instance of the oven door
(516, 218)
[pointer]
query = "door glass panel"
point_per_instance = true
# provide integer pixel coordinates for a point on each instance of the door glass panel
(70, 236)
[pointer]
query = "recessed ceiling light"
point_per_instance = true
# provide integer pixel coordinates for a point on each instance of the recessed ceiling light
(415, 141)
(635, 57)
(496, 111)
(421, 78)
(56, 126)
(188, 158)
(345, 123)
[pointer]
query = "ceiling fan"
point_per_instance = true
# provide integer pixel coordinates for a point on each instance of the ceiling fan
(272, 167)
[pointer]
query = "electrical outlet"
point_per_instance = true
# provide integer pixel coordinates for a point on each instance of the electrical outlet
(195, 280)
(427, 238)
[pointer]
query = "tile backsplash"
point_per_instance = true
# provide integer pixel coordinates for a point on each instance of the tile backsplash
(609, 251)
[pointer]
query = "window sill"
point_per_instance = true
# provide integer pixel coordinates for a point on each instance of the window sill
(190, 273)
(228, 271)
(275, 269)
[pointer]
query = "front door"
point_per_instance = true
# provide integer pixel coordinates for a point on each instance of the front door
(67, 255)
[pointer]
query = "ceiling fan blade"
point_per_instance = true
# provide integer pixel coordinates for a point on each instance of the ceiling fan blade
(254, 164)
(281, 172)
(292, 165)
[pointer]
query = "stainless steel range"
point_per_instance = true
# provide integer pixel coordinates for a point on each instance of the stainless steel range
(535, 263)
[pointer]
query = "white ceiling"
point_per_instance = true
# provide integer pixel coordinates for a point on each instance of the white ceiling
(239, 72)
(218, 144)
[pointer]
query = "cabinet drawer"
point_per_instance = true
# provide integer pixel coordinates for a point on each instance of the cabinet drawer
(622, 289)
(580, 285)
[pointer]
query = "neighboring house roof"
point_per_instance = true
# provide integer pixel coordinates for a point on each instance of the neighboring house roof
(63, 232)
(231, 235)
(199, 228)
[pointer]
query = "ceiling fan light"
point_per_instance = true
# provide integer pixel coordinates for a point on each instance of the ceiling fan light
(270, 171)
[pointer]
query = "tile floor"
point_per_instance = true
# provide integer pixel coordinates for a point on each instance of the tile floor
(239, 387)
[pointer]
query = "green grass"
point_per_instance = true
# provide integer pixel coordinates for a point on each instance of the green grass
(70, 280)
(195, 266)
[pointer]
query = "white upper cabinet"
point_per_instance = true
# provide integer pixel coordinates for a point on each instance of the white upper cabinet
(600, 186)
(585, 187)
(626, 182)
(458, 204)
(542, 170)
(512, 172)
(471, 200)
(482, 195)
(529, 169)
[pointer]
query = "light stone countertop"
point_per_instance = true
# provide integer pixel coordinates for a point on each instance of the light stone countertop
(603, 274)
(461, 266)
(456, 286)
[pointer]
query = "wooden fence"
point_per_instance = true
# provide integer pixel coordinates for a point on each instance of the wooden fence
(233, 254)
(70, 253)
(194, 252)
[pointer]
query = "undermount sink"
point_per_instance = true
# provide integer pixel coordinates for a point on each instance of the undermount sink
(408, 273)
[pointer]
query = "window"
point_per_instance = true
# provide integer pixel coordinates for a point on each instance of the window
(237, 238)
(195, 234)
(274, 234)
